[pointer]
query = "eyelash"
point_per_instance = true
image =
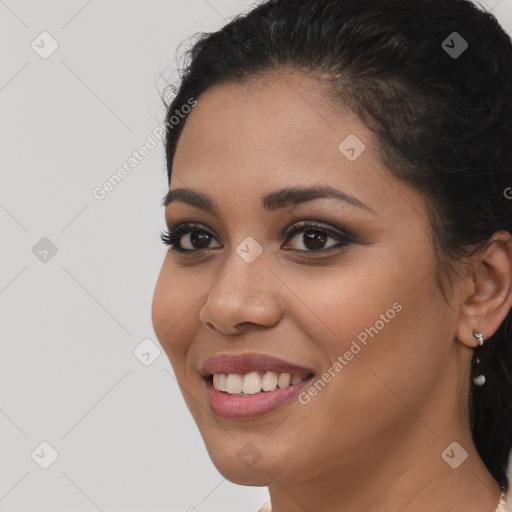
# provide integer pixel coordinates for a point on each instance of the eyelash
(173, 236)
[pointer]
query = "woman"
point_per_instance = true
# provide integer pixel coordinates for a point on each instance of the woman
(336, 298)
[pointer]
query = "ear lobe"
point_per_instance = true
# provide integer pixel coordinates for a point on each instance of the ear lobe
(490, 297)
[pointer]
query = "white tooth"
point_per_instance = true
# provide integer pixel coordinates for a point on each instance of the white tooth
(222, 382)
(269, 381)
(234, 383)
(296, 379)
(283, 381)
(251, 383)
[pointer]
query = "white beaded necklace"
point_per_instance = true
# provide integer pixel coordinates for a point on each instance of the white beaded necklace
(502, 505)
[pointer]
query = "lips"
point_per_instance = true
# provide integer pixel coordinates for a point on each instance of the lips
(249, 362)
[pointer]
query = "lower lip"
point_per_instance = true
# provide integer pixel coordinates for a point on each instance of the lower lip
(251, 406)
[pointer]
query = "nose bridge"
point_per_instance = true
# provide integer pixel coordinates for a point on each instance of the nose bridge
(244, 293)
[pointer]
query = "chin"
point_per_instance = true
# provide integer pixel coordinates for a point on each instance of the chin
(236, 472)
(242, 463)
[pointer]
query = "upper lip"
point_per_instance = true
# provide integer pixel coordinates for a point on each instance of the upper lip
(248, 362)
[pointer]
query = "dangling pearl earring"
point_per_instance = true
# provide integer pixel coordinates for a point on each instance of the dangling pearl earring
(480, 379)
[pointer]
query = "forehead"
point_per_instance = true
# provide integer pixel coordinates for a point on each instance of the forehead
(273, 113)
(280, 130)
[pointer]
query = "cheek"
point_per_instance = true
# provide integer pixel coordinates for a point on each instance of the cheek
(172, 311)
(352, 303)
(377, 330)
(391, 348)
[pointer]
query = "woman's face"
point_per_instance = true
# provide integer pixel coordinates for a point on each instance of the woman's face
(362, 312)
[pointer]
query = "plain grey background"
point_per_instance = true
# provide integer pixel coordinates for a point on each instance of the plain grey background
(78, 272)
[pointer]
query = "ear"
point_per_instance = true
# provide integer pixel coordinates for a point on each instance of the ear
(488, 295)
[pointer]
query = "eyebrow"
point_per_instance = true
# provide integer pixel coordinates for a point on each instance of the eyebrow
(279, 199)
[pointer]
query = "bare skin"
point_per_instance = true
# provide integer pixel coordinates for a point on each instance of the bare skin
(372, 439)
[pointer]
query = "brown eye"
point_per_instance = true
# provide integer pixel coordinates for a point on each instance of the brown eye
(315, 237)
(193, 238)
(196, 240)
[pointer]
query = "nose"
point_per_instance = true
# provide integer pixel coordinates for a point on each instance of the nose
(245, 296)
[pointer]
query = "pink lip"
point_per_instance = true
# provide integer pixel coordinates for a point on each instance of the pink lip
(249, 362)
(247, 407)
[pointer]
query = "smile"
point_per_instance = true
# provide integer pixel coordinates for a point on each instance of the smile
(248, 385)
(247, 406)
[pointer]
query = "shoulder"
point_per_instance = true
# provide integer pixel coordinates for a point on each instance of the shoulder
(265, 507)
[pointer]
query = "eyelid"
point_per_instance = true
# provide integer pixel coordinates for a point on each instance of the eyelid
(285, 232)
(333, 231)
